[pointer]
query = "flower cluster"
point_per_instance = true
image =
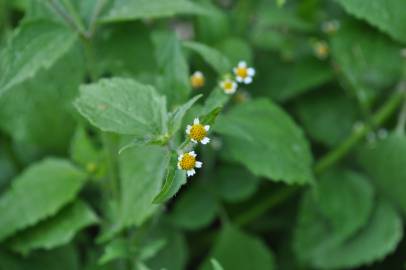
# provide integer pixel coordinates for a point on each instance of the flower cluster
(197, 132)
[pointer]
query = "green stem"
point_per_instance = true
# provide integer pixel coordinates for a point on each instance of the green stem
(111, 145)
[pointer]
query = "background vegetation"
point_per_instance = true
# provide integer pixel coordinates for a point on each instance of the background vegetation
(305, 168)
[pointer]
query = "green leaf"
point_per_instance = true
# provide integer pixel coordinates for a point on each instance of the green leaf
(235, 49)
(234, 183)
(216, 265)
(195, 208)
(116, 249)
(142, 170)
(328, 118)
(126, 10)
(272, 146)
(287, 80)
(34, 46)
(57, 230)
(217, 60)
(176, 117)
(42, 105)
(40, 191)
(389, 16)
(340, 207)
(173, 182)
(123, 106)
(217, 98)
(384, 161)
(173, 67)
(237, 250)
(378, 239)
(369, 65)
(83, 151)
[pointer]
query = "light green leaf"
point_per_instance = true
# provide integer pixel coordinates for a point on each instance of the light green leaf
(384, 161)
(234, 183)
(338, 209)
(42, 105)
(57, 230)
(142, 170)
(173, 182)
(237, 250)
(195, 208)
(83, 151)
(389, 15)
(123, 106)
(328, 118)
(216, 265)
(116, 249)
(40, 191)
(176, 117)
(125, 10)
(272, 146)
(34, 45)
(374, 242)
(217, 60)
(173, 67)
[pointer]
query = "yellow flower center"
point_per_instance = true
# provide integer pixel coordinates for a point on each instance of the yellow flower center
(197, 132)
(242, 72)
(187, 162)
(197, 81)
(228, 85)
(321, 50)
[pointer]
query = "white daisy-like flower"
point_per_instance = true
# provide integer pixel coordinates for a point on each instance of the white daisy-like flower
(187, 162)
(198, 132)
(243, 73)
(197, 79)
(229, 86)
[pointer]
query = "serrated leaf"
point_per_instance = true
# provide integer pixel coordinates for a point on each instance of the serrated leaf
(176, 117)
(125, 10)
(42, 105)
(272, 146)
(174, 179)
(384, 161)
(374, 242)
(237, 250)
(123, 106)
(216, 59)
(34, 46)
(142, 170)
(173, 68)
(338, 209)
(195, 208)
(389, 15)
(40, 191)
(57, 230)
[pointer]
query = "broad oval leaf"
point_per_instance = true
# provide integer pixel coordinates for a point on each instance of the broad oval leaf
(35, 45)
(265, 139)
(40, 191)
(123, 106)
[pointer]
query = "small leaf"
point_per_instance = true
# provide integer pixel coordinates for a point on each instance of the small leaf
(176, 117)
(39, 192)
(272, 146)
(123, 106)
(213, 57)
(57, 230)
(35, 45)
(126, 10)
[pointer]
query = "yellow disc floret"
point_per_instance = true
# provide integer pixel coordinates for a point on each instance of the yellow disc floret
(197, 80)
(197, 132)
(187, 162)
(241, 72)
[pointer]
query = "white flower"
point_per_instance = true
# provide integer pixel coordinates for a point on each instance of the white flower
(197, 79)
(197, 132)
(188, 163)
(229, 86)
(243, 73)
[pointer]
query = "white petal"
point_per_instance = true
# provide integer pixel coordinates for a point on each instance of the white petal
(196, 121)
(239, 79)
(188, 128)
(251, 72)
(180, 157)
(192, 153)
(198, 73)
(242, 64)
(248, 80)
(207, 127)
(179, 167)
(198, 164)
(190, 172)
(205, 140)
